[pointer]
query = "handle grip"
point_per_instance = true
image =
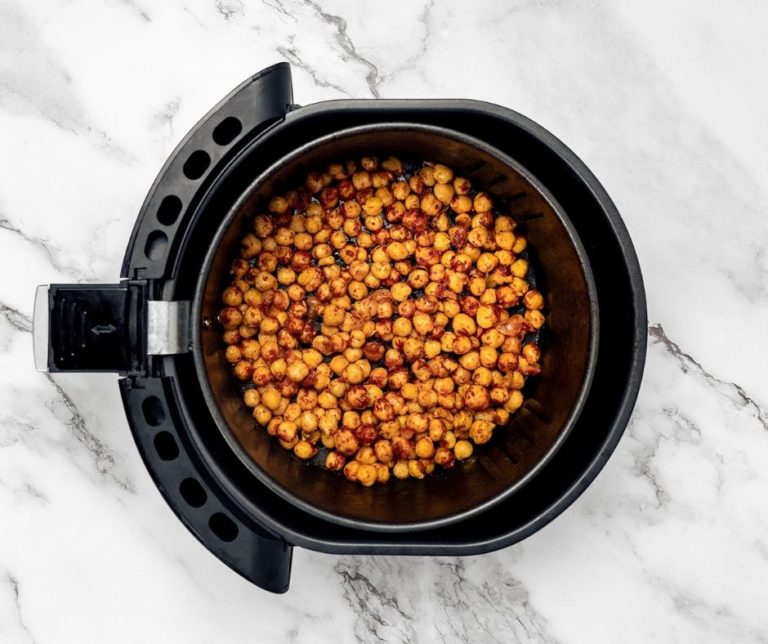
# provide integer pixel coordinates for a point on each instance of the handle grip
(94, 328)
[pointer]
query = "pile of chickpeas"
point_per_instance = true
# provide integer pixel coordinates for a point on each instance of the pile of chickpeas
(382, 312)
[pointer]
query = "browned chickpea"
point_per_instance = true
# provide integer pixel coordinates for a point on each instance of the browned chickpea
(345, 442)
(351, 470)
(507, 362)
(444, 457)
(477, 397)
(430, 205)
(531, 353)
(230, 317)
(335, 461)
(232, 296)
(357, 397)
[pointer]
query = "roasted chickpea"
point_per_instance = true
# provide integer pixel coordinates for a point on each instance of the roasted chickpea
(463, 450)
(464, 325)
(535, 318)
(304, 450)
(335, 461)
(533, 299)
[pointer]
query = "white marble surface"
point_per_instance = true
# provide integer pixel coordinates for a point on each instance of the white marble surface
(666, 102)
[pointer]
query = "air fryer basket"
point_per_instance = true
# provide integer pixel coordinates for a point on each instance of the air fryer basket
(140, 328)
(553, 400)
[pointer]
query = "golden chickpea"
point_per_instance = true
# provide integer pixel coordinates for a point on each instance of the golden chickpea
(303, 241)
(444, 193)
(361, 180)
(262, 415)
(418, 423)
(415, 469)
(444, 457)
(507, 362)
(486, 317)
(367, 474)
(423, 324)
(327, 400)
(373, 206)
(333, 315)
(430, 205)
(353, 374)
(383, 450)
(425, 448)
(307, 422)
(460, 345)
(400, 292)
(519, 245)
(304, 450)
(396, 251)
(470, 360)
(328, 424)
(251, 398)
(442, 173)
(366, 455)
(432, 348)
(519, 268)
(533, 299)
(243, 370)
(402, 327)
(488, 296)
(514, 402)
(461, 204)
(286, 430)
(478, 236)
(482, 376)
(357, 290)
(535, 318)
(381, 270)
(297, 371)
(499, 395)
(457, 282)
(482, 202)
(462, 450)
(418, 278)
(464, 325)
(481, 431)
(488, 356)
(487, 262)
(232, 296)
(400, 470)
(505, 240)
(233, 354)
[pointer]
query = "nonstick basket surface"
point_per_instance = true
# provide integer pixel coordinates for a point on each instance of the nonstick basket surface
(553, 400)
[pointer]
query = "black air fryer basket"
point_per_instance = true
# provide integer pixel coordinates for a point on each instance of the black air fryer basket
(245, 498)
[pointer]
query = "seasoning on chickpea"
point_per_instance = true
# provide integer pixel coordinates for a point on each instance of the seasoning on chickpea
(382, 315)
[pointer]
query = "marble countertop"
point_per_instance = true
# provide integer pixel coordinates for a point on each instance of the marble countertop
(666, 103)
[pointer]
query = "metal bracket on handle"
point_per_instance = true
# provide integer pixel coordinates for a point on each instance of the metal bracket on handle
(168, 328)
(40, 328)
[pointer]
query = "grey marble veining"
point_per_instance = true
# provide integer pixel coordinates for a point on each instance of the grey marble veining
(664, 102)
